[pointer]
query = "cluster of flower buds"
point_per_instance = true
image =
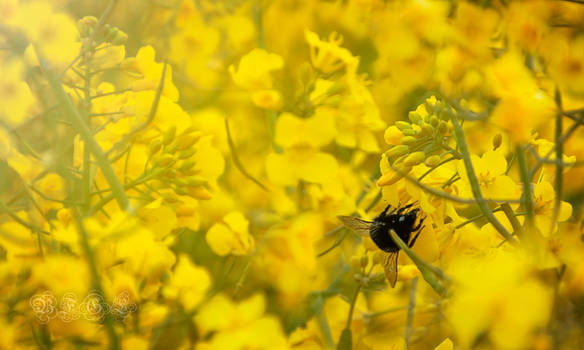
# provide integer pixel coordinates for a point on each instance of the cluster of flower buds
(105, 34)
(172, 159)
(422, 139)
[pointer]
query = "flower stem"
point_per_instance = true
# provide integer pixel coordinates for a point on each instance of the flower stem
(474, 182)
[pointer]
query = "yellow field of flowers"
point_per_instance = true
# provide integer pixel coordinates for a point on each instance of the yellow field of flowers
(175, 174)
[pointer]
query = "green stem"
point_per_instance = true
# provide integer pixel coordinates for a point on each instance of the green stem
(474, 182)
(512, 217)
(526, 198)
(352, 308)
(428, 271)
(108, 321)
(559, 157)
(411, 307)
(81, 127)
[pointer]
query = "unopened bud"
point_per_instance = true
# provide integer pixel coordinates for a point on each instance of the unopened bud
(187, 153)
(364, 261)
(497, 141)
(200, 192)
(408, 140)
(187, 165)
(409, 132)
(432, 161)
(427, 129)
(155, 147)
(443, 127)
(414, 117)
(169, 135)
(185, 141)
(120, 39)
(403, 125)
(356, 263)
(196, 180)
(414, 158)
(398, 150)
(165, 160)
(434, 121)
(392, 176)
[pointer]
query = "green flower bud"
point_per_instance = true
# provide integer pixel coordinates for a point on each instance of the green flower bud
(120, 38)
(196, 180)
(497, 141)
(414, 158)
(403, 125)
(165, 160)
(155, 147)
(187, 153)
(408, 140)
(414, 117)
(410, 132)
(427, 129)
(434, 121)
(398, 150)
(364, 261)
(185, 141)
(432, 161)
(443, 127)
(169, 135)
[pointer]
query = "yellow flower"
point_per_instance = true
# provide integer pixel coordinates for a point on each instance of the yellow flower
(54, 34)
(188, 283)
(543, 203)
(509, 304)
(16, 98)
(329, 56)
(490, 170)
(302, 160)
(241, 326)
(254, 69)
(232, 237)
(148, 73)
(523, 106)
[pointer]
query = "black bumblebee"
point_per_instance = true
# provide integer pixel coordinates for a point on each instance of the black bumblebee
(402, 220)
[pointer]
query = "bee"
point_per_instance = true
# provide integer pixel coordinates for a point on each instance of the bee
(402, 220)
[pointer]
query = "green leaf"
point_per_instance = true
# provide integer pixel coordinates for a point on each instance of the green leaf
(346, 341)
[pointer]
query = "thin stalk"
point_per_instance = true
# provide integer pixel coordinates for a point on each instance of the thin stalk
(411, 307)
(428, 271)
(81, 127)
(526, 198)
(474, 182)
(559, 165)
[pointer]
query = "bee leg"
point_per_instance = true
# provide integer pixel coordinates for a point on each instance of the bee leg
(411, 244)
(404, 209)
(385, 210)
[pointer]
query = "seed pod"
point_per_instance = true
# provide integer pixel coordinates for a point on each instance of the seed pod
(398, 150)
(432, 161)
(414, 158)
(403, 125)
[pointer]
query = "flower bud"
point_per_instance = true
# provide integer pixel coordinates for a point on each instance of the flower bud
(414, 158)
(187, 165)
(364, 261)
(155, 147)
(403, 125)
(432, 161)
(200, 192)
(434, 121)
(196, 180)
(443, 127)
(497, 141)
(414, 117)
(187, 153)
(409, 132)
(408, 140)
(120, 38)
(356, 263)
(397, 151)
(392, 176)
(427, 129)
(169, 135)
(165, 160)
(185, 141)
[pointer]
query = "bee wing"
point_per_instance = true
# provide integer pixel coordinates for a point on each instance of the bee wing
(389, 263)
(361, 227)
